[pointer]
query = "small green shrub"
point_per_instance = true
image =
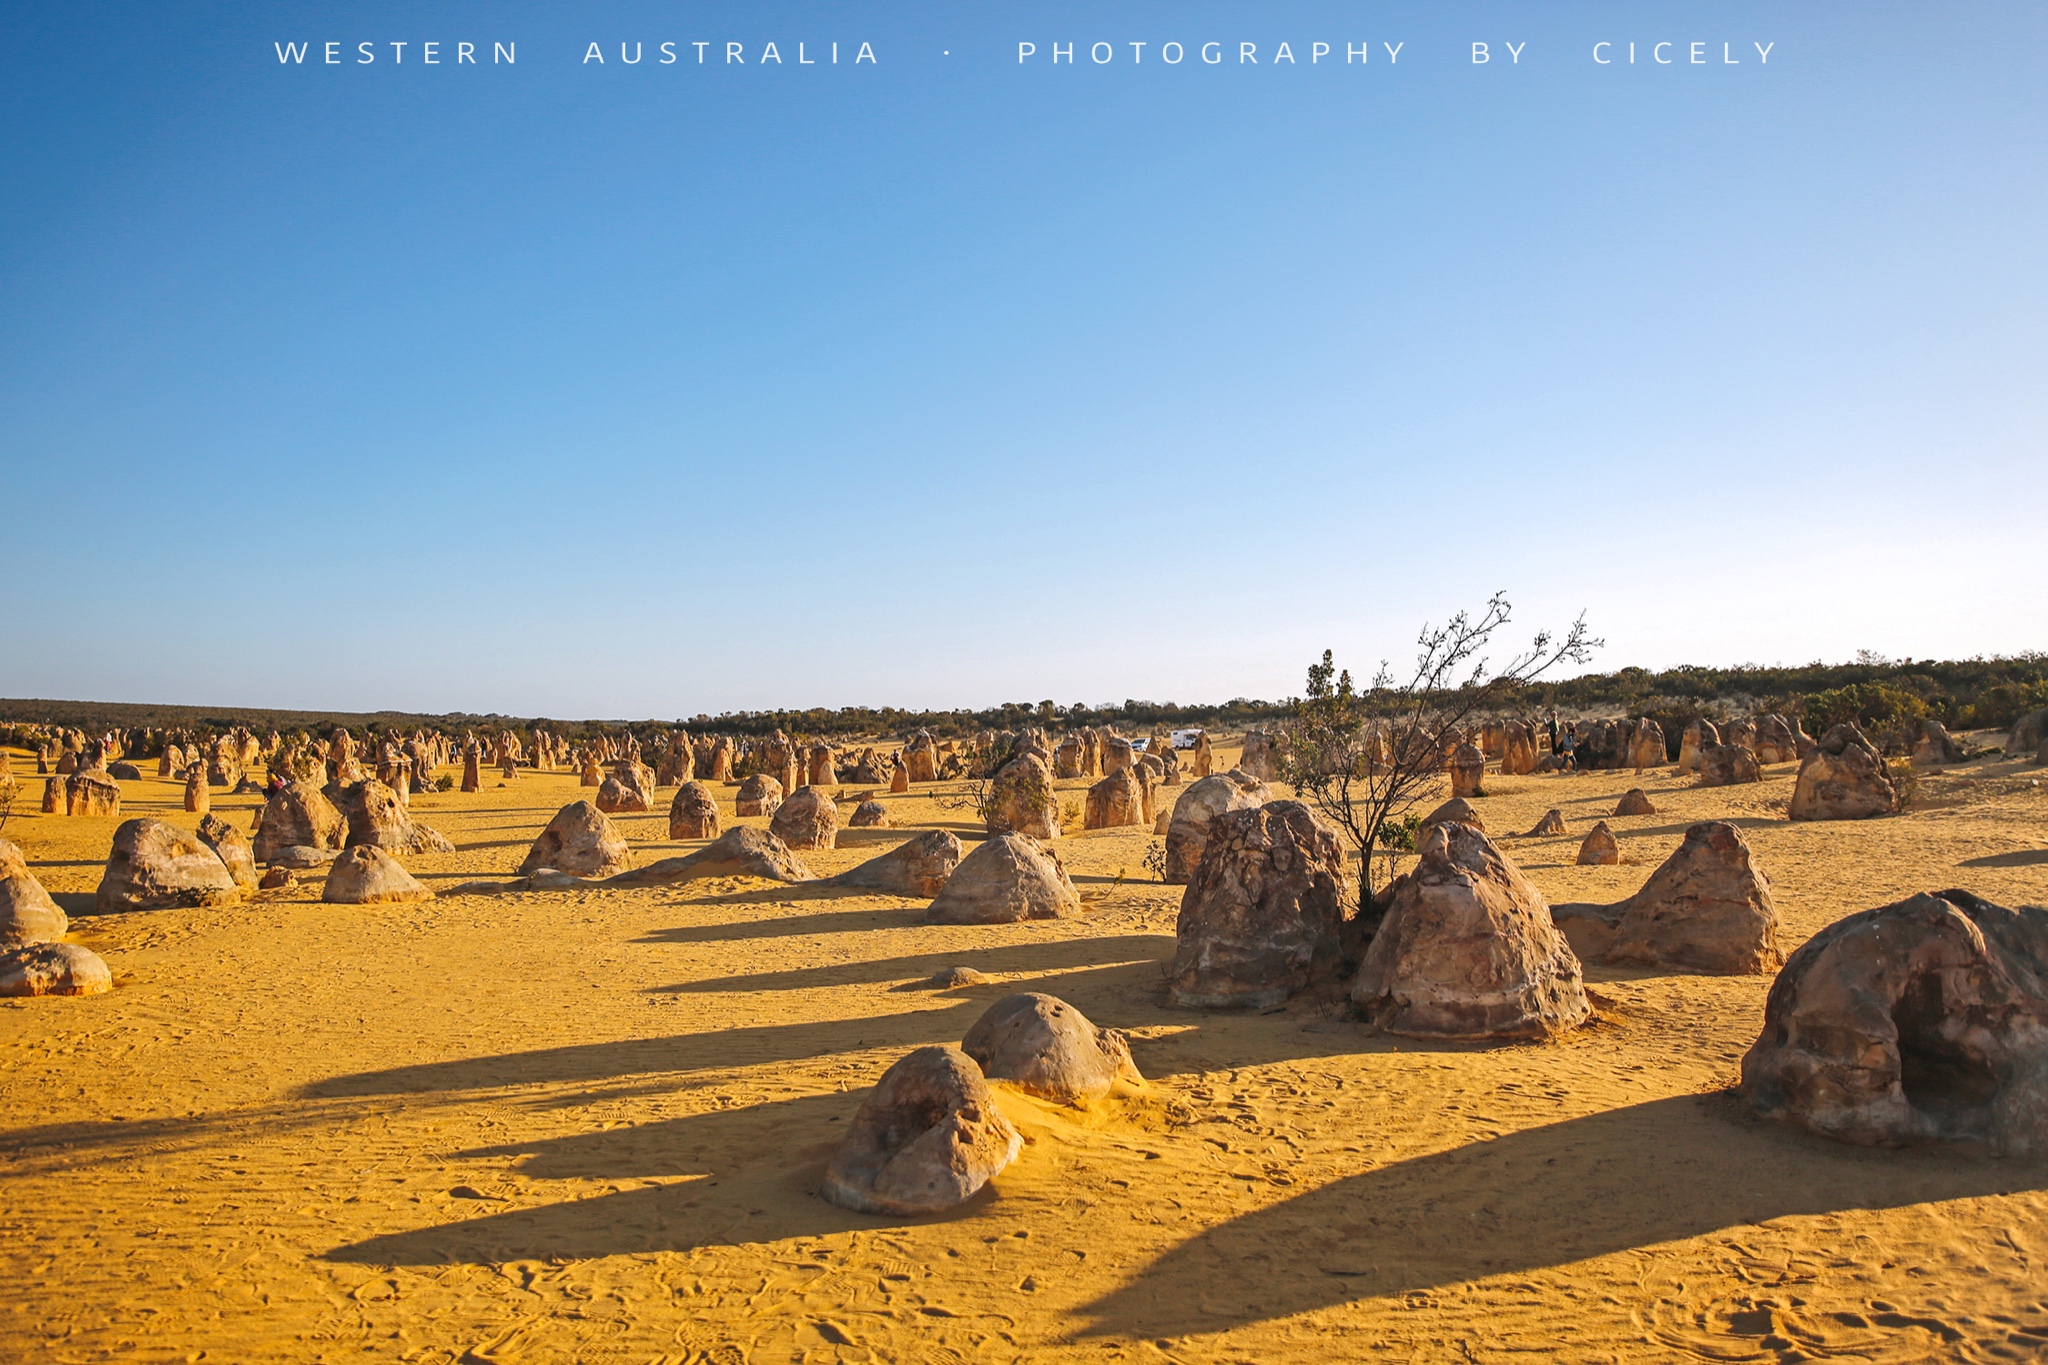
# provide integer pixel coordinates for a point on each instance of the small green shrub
(444, 783)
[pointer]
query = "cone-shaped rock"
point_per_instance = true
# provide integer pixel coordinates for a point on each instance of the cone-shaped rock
(1551, 823)
(1468, 950)
(1009, 877)
(1600, 848)
(808, 819)
(1043, 1045)
(740, 850)
(1922, 1020)
(582, 841)
(919, 867)
(927, 1139)
(869, 815)
(1707, 908)
(1635, 801)
(1262, 915)
(366, 875)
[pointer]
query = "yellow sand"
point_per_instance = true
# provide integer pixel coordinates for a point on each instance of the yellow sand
(588, 1126)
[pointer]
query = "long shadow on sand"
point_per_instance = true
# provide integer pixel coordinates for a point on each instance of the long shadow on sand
(675, 1054)
(2025, 857)
(788, 926)
(742, 1198)
(1542, 1197)
(1051, 955)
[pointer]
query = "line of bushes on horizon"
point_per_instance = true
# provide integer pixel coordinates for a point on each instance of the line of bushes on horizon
(1963, 694)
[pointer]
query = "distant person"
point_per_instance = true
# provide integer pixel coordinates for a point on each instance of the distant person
(1552, 722)
(1566, 748)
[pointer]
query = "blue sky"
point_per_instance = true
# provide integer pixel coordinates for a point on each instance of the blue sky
(600, 389)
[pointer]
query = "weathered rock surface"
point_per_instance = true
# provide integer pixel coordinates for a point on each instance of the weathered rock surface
(1262, 916)
(1696, 736)
(155, 866)
(582, 841)
(628, 791)
(1116, 801)
(809, 819)
(1600, 848)
(27, 914)
(1635, 801)
(276, 878)
(1468, 950)
(694, 813)
(760, 794)
(1646, 748)
(367, 875)
(1842, 778)
(1187, 830)
(1724, 765)
(1518, 755)
(1046, 1047)
(1773, 740)
(927, 1139)
(1456, 811)
(1934, 746)
(302, 856)
(53, 969)
(298, 815)
(89, 791)
(869, 815)
(1022, 799)
(952, 978)
(230, 847)
(1925, 1020)
(1468, 771)
(1707, 908)
(1551, 823)
(740, 850)
(377, 816)
(918, 867)
(1008, 877)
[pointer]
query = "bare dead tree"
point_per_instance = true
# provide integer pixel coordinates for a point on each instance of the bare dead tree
(1365, 758)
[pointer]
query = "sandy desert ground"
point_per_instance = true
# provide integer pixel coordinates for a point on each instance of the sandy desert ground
(588, 1126)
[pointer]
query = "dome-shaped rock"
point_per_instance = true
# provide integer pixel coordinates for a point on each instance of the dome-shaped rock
(1009, 877)
(927, 1139)
(1922, 1020)
(53, 969)
(155, 866)
(1043, 1045)
(694, 813)
(582, 841)
(809, 819)
(366, 875)
(1187, 829)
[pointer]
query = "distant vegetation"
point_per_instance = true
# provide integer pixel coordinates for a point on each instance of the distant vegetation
(1964, 694)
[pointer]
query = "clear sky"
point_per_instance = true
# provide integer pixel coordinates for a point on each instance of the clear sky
(605, 389)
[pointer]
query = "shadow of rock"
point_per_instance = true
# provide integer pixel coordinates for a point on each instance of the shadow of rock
(1543, 1197)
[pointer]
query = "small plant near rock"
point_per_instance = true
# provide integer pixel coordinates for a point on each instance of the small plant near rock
(1905, 781)
(1155, 860)
(444, 783)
